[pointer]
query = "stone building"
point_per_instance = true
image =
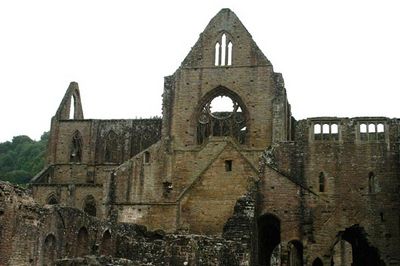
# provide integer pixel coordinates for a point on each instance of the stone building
(319, 191)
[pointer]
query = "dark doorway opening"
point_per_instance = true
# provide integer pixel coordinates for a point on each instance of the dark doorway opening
(269, 237)
(363, 253)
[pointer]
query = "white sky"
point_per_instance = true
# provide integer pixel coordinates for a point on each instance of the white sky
(338, 58)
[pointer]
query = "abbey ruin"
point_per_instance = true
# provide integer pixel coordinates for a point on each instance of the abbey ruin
(249, 185)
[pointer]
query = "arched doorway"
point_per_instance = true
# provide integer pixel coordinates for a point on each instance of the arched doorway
(342, 253)
(82, 245)
(106, 244)
(49, 250)
(269, 238)
(295, 253)
(317, 262)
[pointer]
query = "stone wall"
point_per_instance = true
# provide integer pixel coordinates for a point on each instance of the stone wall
(35, 235)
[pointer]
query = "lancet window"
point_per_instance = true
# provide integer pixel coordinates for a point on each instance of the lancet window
(223, 51)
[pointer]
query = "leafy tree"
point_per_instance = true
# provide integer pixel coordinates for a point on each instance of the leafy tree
(22, 158)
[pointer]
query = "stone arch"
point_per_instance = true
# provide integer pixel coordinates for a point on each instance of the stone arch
(295, 253)
(49, 250)
(269, 239)
(317, 262)
(89, 205)
(342, 253)
(106, 248)
(70, 106)
(82, 244)
(76, 147)
(233, 123)
(52, 199)
(362, 252)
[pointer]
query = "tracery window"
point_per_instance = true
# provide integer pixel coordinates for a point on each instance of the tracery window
(111, 148)
(221, 116)
(76, 148)
(223, 51)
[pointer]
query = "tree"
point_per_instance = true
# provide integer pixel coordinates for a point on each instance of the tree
(22, 158)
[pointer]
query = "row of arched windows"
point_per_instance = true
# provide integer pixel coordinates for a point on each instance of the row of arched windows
(372, 131)
(89, 203)
(326, 131)
(111, 148)
(330, 131)
(82, 246)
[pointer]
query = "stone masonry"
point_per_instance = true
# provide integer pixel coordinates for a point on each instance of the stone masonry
(246, 184)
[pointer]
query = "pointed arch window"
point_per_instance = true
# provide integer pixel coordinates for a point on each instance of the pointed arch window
(52, 200)
(76, 148)
(222, 115)
(111, 148)
(223, 51)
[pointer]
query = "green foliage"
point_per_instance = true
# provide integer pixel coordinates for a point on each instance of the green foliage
(22, 158)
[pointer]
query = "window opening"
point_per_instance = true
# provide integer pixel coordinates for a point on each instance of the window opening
(321, 182)
(228, 166)
(52, 200)
(372, 131)
(371, 128)
(371, 182)
(49, 250)
(76, 148)
(334, 129)
(230, 45)
(106, 244)
(317, 129)
(221, 116)
(223, 51)
(90, 206)
(111, 148)
(217, 52)
(325, 129)
(363, 128)
(146, 157)
(82, 245)
(72, 108)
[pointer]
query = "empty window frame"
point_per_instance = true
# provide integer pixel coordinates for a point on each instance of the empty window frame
(228, 166)
(223, 51)
(326, 131)
(371, 182)
(321, 182)
(146, 157)
(372, 131)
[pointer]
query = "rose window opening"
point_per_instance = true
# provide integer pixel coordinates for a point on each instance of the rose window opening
(221, 116)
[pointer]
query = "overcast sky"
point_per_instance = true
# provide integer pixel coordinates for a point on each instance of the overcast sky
(338, 58)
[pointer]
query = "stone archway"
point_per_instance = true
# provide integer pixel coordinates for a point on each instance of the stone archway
(49, 250)
(362, 252)
(269, 238)
(295, 253)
